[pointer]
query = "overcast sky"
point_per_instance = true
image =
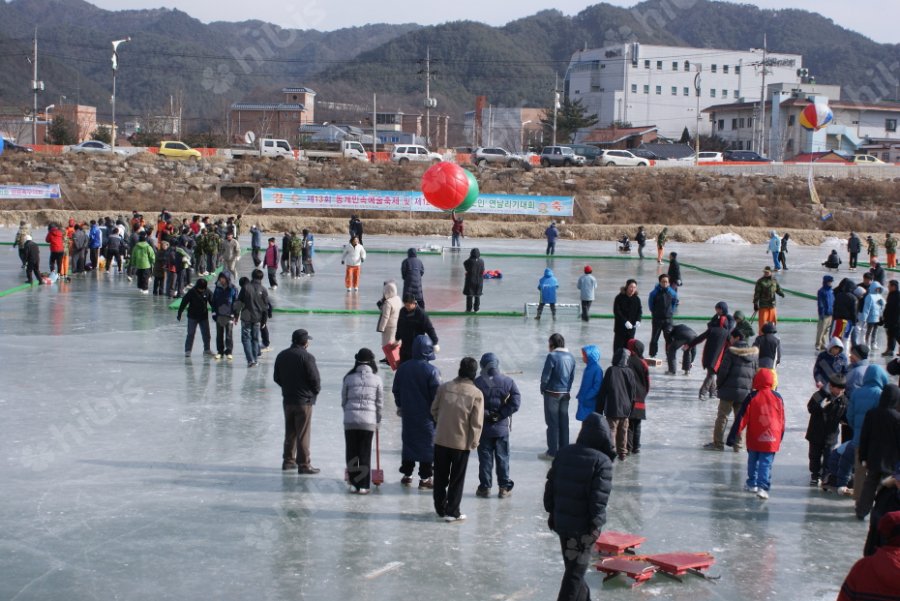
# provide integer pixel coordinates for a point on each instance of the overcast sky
(876, 19)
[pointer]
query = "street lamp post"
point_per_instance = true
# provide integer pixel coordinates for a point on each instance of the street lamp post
(697, 83)
(47, 119)
(522, 128)
(115, 69)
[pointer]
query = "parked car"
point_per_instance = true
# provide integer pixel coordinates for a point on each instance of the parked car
(590, 153)
(178, 150)
(743, 156)
(413, 153)
(711, 157)
(560, 156)
(867, 159)
(10, 146)
(499, 156)
(622, 158)
(92, 147)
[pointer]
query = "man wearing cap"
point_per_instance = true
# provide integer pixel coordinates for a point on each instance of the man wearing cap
(827, 407)
(825, 303)
(297, 374)
(551, 234)
(32, 258)
(587, 285)
(764, 293)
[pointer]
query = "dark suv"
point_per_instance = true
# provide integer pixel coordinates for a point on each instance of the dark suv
(591, 154)
(743, 156)
(560, 156)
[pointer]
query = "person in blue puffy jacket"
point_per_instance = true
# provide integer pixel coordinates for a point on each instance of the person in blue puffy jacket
(547, 287)
(590, 382)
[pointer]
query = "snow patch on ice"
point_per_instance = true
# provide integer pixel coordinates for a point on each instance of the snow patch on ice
(729, 238)
(832, 241)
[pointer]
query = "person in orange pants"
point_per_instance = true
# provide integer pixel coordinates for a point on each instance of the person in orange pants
(890, 247)
(353, 256)
(661, 240)
(767, 288)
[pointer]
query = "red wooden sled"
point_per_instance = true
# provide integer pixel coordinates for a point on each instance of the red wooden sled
(637, 568)
(617, 543)
(676, 565)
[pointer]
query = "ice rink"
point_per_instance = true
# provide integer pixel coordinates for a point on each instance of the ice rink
(131, 472)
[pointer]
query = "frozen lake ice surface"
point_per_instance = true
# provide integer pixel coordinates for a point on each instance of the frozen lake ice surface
(131, 472)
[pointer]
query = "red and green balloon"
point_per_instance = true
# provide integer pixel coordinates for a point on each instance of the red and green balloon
(449, 187)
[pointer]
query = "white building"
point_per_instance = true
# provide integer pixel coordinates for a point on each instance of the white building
(657, 84)
(856, 128)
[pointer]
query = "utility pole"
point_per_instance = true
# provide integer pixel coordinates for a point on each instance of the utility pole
(697, 82)
(762, 97)
(374, 126)
(36, 86)
(430, 102)
(555, 106)
(115, 69)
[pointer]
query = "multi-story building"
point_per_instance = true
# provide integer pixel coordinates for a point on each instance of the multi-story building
(857, 127)
(640, 83)
(273, 119)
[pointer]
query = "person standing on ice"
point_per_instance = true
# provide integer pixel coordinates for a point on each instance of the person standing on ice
(547, 287)
(767, 288)
(415, 386)
(556, 383)
(458, 412)
(297, 374)
(762, 415)
(641, 239)
(662, 303)
(457, 231)
(551, 234)
(474, 282)
(501, 400)
(412, 322)
(661, 240)
(575, 495)
(627, 310)
(355, 229)
(775, 249)
(411, 270)
(854, 246)
(197, 301)
(231, 253)
(587, 286)
(362, 399)
(353, 256)
(716, 338)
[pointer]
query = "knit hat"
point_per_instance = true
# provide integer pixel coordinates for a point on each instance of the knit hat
(587, 269)
(767, 270)
(860, 350)
(837, 380)
(738, 315)
(827, 279)
(364, 356)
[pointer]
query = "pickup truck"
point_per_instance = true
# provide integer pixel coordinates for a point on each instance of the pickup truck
(350, 150)
(266, 147)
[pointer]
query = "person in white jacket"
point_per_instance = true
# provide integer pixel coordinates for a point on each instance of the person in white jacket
(870, 314)
(353, 256)
(390, 312)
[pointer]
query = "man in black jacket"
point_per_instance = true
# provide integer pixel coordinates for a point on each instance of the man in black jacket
(891, 317)
(854, 245)
(577, 491)
(734, 381)
(297, 374)
(680, 336)
(32, 256)
(196, 302)
(845, 310)
(411, 270)
(355, 229)
(616, 399)
(413, 321)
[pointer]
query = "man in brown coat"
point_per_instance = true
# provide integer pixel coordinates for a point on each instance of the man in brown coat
(458, 412)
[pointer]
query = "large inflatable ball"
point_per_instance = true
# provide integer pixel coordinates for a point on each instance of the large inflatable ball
(447, 186)
(816, 116)
(471, 196)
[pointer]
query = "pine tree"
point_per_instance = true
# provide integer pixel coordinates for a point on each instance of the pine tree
(570, 117)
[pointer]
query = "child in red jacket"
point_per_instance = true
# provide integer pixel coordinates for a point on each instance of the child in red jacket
(763, 416)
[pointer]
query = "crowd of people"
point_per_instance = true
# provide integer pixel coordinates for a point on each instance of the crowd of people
(853, 430)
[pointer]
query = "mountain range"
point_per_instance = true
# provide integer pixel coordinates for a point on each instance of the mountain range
(176, 60)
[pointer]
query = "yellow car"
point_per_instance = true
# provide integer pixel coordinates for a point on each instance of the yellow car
(867, 159)
(178, 150)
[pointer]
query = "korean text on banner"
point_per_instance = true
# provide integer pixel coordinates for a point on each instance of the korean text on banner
(37, 192)
(387, 200)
